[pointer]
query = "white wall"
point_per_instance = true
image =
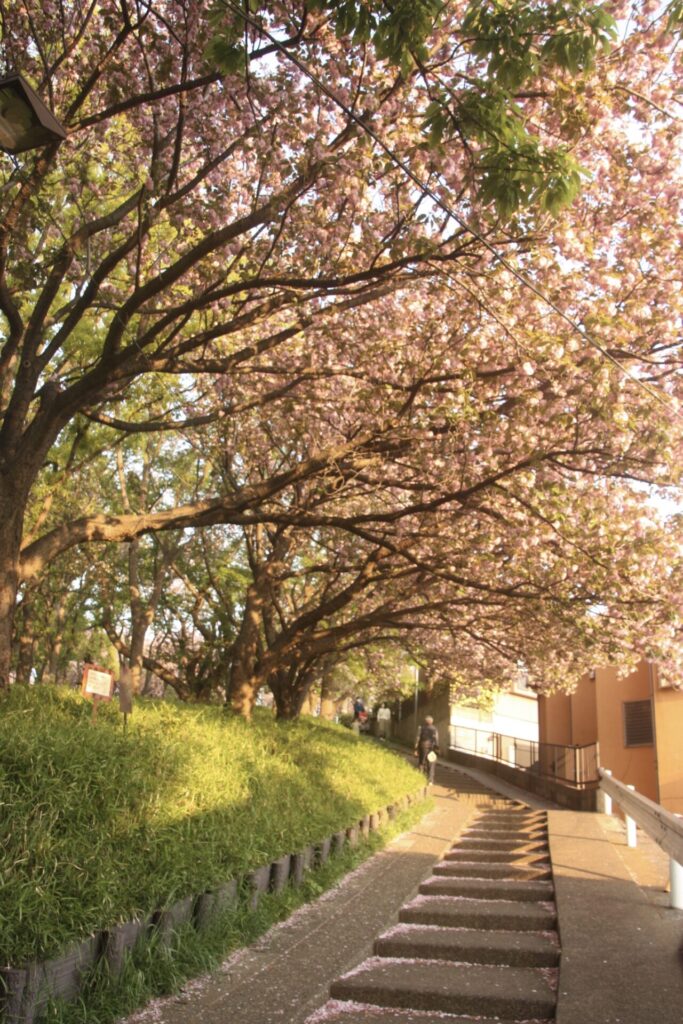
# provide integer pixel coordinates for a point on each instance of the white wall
(513, 714)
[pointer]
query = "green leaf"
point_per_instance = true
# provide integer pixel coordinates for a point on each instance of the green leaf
(675, 16)
(229, 58)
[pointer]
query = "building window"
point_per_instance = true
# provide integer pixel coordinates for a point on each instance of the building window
(638, 723)
(522, 688)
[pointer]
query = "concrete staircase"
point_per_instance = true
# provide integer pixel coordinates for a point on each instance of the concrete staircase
(478, 940)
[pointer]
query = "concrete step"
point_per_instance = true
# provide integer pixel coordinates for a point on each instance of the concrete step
(453, 869)
(517, 824)
(511, 812)
(489, 841)
(494, 843)
(489, 888)
(336, 1012)
(481, 842)
(525, 814)
(464, 785)
(470, 854)
(505, 833)
(511, 993)
(460, 912)
(469, 945)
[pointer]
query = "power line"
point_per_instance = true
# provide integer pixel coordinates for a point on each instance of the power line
(427, 191)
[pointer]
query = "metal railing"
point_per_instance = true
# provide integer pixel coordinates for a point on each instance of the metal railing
(573, 765)
(664, 827)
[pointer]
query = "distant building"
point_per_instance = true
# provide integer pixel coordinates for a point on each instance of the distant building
(507, 731)
(637, 723)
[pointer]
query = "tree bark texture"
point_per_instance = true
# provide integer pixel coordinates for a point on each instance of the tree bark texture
(12, 505)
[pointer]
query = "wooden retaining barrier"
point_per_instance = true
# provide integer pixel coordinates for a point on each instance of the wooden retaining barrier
(25, 991)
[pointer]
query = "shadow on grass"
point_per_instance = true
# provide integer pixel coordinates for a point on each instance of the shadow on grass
(156, 969)
(102, 828)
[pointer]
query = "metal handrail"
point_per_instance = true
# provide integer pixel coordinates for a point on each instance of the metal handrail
(572, 765)
(665, 828)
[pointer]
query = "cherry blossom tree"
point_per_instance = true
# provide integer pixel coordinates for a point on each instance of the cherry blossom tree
(491, 520)
(525, 541)
(226, 253)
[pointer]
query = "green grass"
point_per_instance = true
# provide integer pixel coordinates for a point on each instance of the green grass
(153, 970)
(98, 827)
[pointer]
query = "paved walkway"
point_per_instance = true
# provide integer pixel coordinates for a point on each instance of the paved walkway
(621, 960)
(622, 945)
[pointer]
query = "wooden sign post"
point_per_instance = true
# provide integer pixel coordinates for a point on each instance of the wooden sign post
(97, 684)
(125, 695)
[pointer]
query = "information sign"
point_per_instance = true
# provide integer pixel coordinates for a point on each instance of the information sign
(98, 683)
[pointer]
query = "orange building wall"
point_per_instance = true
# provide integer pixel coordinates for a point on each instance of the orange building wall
(584, 712)
(669, 736)
(570, 718)
(555, 718)
(595, 712)
(634, 766)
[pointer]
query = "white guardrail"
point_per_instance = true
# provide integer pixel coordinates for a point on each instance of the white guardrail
(664, 827)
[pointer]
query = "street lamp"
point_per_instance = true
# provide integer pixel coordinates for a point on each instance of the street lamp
(25, 121)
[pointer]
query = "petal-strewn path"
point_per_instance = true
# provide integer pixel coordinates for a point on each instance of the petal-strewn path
(620, 961)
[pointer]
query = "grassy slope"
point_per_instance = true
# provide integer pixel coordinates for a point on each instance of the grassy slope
(97, 827)
(154, 970)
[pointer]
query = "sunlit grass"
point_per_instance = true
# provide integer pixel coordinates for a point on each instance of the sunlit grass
(154, 971)
(98, 827)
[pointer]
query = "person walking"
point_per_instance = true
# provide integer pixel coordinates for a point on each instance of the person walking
(427, 747)
(383, 721)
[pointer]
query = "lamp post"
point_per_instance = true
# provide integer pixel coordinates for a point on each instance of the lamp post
(25, 121)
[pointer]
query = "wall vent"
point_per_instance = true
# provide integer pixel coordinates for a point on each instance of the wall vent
(638, 723)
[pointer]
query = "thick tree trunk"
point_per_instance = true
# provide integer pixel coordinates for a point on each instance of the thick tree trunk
(147, 682)
(138, 633)
(8, 593)
(12, 505)
(328, 706)
(57, 641)
(243, 697)
(26, 641)
(288, 706)
(291, 689)
(244, 682)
